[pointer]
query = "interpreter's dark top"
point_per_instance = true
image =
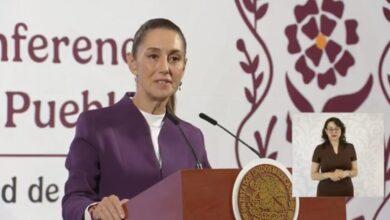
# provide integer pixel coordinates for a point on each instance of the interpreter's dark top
(330, 161)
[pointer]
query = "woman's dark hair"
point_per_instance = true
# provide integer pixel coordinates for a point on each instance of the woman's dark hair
(140, 36)
(154, 24)
(340, 124)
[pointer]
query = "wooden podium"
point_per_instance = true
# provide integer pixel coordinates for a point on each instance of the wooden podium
(207, 195)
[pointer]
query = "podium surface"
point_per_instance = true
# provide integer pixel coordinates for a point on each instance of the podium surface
(207, 195)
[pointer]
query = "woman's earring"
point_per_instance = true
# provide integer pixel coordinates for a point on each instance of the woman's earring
(180, 86)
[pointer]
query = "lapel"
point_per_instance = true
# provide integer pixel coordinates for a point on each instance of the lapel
(174, 151)
(130, 123)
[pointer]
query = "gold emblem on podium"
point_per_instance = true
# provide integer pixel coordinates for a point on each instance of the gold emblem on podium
(264, 191)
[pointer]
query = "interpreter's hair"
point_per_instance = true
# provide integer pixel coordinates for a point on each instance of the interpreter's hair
(140, 36)
(340, 124)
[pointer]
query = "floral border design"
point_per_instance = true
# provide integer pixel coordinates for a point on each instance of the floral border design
(317, 25)
(386, 13)
(250, 67)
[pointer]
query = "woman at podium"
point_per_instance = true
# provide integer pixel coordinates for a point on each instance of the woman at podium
(122, 150)
(336, 159)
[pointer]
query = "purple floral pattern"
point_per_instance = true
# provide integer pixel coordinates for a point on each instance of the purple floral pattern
(252, 13)
(384, 78)
(325, 55)
(317, 25)
(322, 55)
(263, 146)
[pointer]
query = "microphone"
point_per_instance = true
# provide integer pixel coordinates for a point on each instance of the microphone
(214, 122)
(176, 121)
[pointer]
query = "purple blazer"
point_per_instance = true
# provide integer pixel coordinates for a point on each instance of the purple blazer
(112, 153)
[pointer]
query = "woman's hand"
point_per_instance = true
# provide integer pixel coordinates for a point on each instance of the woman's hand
(343, 173)
(110, 208)
(335, 176)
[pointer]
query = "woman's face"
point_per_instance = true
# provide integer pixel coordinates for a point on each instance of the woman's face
(333, 131)
(159, 64)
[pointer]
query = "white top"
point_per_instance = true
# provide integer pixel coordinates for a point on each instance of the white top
(155, 123)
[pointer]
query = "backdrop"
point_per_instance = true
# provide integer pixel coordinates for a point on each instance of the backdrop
(251, 64)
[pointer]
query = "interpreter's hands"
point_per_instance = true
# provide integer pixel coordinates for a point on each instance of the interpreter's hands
(342, 173)
(339, 173)
(335, 176)
(110, 208)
